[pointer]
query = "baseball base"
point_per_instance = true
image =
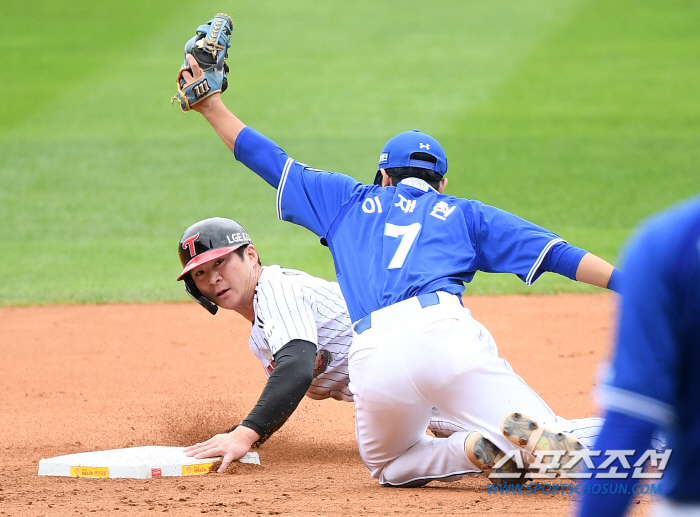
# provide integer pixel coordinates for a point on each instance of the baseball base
(134, 462)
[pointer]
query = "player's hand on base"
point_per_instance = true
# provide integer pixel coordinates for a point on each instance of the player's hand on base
(231, 446)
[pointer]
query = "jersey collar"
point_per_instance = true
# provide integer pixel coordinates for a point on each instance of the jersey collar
(417, 183)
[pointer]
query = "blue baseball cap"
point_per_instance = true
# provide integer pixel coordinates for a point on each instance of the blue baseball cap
(397, 152)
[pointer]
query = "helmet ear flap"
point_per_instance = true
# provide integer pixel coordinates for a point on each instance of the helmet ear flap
(197, 296)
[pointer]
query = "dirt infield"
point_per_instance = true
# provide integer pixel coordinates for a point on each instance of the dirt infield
(81, 378)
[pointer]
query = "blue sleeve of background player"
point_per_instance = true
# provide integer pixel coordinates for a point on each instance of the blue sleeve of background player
(620, 432)
(647, 343)
(507, 243)
(313, 198)
(640, 387)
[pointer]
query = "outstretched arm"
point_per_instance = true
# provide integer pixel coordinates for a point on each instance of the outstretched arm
(507, 243)
(285, 388)
(257, 152)
(595, 271)
(225, 123)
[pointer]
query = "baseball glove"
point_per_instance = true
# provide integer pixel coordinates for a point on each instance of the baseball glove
(209, 47)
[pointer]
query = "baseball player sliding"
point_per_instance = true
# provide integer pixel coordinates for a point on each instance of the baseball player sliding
(301, 330)
(284, 306)
(403, 251)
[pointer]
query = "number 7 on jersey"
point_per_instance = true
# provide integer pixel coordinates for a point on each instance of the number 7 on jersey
(408, 236)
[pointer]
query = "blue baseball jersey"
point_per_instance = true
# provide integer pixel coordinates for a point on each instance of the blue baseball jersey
(393, 243)
(654, 375)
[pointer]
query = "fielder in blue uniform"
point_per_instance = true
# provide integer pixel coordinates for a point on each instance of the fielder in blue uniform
(403, 251)
(653, 379)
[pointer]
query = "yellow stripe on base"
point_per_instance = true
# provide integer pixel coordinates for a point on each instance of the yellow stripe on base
(197, 470)
(89, 472)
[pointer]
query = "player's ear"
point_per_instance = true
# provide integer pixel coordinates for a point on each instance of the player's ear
(252, 253)
(442, 185)
(386, 180)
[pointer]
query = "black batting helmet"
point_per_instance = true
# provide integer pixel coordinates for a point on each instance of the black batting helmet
(207, 240)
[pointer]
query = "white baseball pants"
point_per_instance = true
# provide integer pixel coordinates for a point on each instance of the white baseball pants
(412, 359)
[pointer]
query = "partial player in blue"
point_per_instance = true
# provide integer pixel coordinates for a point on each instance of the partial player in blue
(653, 379)
(403, 251)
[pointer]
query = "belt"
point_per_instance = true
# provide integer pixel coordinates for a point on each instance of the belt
(425, 300)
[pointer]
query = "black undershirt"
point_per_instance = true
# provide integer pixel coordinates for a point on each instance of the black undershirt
(286, 386)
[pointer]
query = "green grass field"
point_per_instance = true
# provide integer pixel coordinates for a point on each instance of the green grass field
(580, 115)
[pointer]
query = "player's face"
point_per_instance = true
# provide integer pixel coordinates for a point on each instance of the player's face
(229, 281)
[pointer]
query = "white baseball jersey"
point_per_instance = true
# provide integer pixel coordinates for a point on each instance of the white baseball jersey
(291, 304)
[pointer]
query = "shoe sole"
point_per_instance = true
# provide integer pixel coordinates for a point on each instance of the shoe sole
(481, 452)
(524, 432)
(484, 455)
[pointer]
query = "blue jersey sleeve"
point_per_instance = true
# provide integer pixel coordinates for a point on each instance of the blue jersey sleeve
(641, 380)
(261, 155)
(563, 259)
(313, 198)
(308, 197)
(507, 243)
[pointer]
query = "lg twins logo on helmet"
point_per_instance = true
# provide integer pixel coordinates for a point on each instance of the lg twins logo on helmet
(237, 237)
(189, 244)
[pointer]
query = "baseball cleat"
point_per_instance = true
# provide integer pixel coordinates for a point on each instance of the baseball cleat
(526, 433)
(484, 455)
(480, 451)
